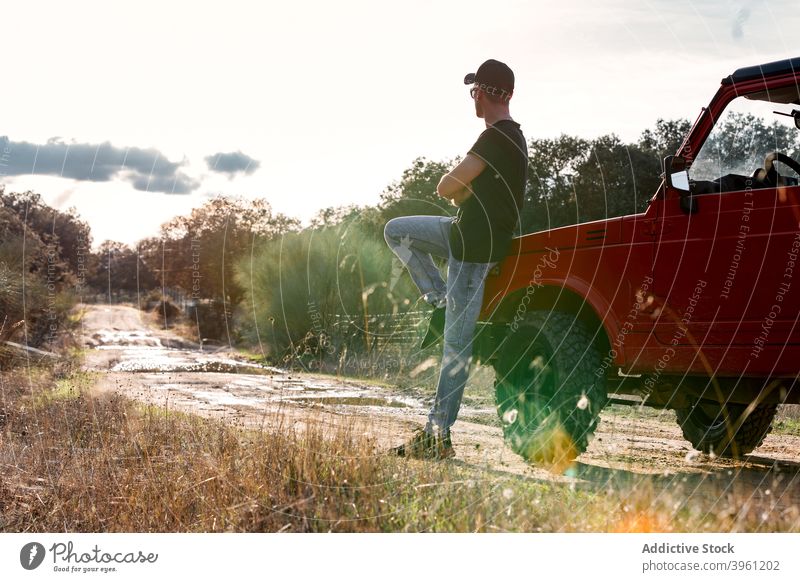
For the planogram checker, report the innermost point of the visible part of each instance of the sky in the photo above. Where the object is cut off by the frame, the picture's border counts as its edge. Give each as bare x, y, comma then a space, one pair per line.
135, 113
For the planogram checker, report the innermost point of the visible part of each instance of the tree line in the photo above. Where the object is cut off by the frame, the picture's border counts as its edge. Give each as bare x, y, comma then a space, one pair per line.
258, 276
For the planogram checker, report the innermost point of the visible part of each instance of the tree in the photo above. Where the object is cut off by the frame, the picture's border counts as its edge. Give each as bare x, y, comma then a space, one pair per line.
415, 192
36, 279
63, 229
550, 196
572, 180
118, 267
739, 143
197, 253
666, 137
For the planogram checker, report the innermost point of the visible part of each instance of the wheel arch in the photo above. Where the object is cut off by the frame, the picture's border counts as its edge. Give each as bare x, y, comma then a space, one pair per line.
552, 297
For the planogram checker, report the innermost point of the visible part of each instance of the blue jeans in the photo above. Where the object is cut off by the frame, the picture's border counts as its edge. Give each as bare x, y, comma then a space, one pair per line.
415, 240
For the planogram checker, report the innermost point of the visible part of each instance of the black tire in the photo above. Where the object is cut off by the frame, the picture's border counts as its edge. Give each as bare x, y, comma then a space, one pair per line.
705, 426
549, 388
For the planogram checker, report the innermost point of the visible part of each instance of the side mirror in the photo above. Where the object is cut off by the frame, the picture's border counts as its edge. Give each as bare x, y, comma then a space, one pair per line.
795, 114
675, 173
676, 176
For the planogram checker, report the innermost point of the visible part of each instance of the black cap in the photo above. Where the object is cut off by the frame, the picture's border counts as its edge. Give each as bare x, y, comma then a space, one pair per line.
493, 77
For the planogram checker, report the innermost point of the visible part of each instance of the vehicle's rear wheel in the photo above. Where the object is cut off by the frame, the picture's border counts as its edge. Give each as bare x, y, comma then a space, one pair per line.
549, 388
706, 426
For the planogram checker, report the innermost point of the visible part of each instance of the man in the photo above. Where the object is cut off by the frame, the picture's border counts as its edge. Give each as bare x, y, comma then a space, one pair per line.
487, 186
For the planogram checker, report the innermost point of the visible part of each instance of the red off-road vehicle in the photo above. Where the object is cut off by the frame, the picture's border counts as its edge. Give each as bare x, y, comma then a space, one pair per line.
692, 305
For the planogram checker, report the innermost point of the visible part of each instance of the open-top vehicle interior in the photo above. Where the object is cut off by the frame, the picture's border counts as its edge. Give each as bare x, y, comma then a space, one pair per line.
755, 145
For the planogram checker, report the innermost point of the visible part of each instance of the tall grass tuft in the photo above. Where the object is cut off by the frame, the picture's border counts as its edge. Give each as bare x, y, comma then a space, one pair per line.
76, 462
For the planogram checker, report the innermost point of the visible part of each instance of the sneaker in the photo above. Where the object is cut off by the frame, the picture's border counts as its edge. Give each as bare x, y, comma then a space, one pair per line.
435, 328
426, 446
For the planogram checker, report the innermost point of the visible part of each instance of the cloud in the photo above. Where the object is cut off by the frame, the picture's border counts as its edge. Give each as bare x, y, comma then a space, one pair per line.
232, 163
741, 18
146, 169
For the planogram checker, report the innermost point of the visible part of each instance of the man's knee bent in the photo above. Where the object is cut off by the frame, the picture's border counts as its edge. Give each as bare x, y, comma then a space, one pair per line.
391, 232
397, 229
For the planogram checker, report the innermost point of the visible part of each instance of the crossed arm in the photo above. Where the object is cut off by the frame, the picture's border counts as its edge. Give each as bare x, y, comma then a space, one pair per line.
456, 184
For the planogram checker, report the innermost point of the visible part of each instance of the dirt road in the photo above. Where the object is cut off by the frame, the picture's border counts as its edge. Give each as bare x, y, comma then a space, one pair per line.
633, 447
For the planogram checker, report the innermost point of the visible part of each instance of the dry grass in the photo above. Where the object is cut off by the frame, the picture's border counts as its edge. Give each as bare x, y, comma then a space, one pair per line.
72, 461
787, 421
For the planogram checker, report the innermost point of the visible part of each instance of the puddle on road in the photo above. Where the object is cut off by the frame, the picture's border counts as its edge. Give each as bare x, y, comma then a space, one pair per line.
142, 351
354, 401
156, 359
224, 398
116, 338
167, 364
220, 389
230, 367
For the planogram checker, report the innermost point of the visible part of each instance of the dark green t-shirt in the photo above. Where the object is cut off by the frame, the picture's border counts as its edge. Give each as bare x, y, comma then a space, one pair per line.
486, 221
